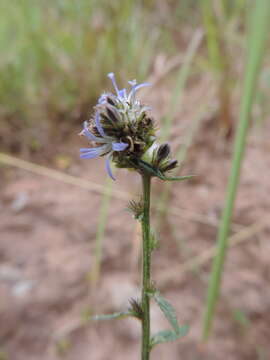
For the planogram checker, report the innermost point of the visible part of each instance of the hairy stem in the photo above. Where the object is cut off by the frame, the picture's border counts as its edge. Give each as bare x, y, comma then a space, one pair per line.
146, 277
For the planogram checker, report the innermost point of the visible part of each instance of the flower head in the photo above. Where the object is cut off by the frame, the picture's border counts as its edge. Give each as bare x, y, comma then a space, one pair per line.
120, 128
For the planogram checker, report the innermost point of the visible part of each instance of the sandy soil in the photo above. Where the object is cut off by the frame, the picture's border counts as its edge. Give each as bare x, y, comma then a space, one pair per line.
47, 245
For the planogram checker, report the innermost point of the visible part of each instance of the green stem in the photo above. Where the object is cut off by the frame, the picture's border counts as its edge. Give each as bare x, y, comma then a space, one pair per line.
257, 40
146, 267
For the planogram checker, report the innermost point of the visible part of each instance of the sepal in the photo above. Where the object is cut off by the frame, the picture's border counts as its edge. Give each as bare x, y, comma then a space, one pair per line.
176, 178
152, 171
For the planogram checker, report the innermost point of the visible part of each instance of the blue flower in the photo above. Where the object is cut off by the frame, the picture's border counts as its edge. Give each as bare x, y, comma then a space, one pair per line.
127, 103
108, 145
108, 128
122, 94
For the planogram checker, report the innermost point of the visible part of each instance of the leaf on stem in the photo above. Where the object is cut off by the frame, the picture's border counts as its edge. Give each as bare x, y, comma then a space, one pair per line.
167, 310
116, 315
168, 335
170, 314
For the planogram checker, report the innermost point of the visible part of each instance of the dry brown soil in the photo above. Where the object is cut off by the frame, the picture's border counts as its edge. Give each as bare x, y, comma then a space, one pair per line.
48, 230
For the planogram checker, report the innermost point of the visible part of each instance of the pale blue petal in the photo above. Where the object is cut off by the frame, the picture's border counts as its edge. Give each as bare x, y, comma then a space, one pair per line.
91, 154
88, 134
137, 87
101, 149
88, 156
112, 77
102, 99
134, 89
122, 94
108, 167
98, 125
119, 146
104, 149
84, 150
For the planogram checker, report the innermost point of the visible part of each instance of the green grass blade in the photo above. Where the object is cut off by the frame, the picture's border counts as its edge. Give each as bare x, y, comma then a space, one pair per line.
256, 43
180, 157
212, 35
181, 80
102, 221
175, 103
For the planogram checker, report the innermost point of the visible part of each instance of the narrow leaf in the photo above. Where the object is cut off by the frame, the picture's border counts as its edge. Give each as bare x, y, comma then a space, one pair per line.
168, 335
177, 178
117, 315
167, 310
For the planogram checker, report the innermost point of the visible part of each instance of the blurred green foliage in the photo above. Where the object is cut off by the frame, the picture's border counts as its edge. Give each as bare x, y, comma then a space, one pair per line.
55, 54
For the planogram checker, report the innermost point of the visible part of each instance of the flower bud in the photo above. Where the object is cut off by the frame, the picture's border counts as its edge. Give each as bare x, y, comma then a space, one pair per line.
162, 152
170, 165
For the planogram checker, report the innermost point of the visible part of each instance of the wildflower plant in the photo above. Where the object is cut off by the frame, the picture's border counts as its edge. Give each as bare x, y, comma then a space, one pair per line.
122, 131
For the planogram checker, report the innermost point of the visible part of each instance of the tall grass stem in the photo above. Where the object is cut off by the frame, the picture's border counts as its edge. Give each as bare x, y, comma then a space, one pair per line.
180, 83
259, 29
175, 103
102, 221
180, 157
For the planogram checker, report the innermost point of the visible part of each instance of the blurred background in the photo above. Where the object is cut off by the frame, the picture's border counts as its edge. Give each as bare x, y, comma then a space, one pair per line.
68, 247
